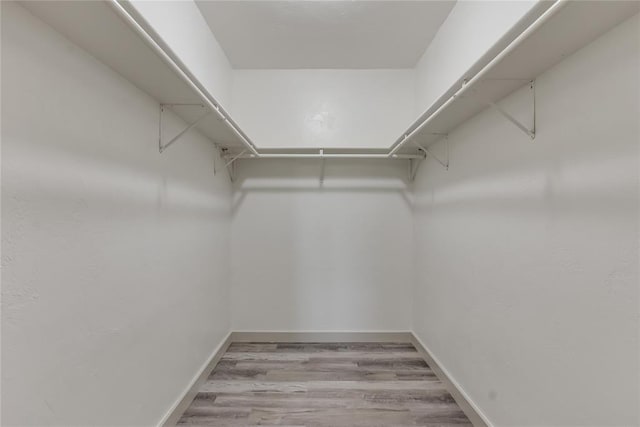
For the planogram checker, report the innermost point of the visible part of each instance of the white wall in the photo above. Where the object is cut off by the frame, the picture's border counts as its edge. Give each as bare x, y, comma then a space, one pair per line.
335, 256
469, 31
527, 252
183, 28
323, 108
114, 257
115, 262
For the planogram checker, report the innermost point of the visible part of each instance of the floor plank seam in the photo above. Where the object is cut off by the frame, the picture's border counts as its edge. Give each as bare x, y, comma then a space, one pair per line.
323, 384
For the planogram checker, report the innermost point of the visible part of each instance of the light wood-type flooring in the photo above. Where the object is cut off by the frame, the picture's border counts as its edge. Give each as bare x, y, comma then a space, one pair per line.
323, 384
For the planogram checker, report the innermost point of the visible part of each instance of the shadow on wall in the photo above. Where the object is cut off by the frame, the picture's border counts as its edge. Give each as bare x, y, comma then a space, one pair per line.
86, 146
335, 175
529, 249
61, 178
330, 255
531, 190
114, 257
502, 170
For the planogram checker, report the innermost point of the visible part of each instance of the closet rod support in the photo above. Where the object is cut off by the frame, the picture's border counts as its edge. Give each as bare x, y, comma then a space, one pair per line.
163, 146
231, 164
234, 158
443, 163
321, 166
531, 132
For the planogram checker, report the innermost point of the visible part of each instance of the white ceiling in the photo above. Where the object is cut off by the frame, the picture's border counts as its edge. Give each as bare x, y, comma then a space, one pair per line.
324, 34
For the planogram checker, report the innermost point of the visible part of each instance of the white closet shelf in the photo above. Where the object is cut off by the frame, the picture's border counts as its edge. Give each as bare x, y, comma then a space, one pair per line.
100, 28
561, 29
319, 152
550, 32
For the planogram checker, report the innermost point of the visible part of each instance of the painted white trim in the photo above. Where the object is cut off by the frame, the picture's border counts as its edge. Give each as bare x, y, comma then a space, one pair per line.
322, 336
468, 406
186, 397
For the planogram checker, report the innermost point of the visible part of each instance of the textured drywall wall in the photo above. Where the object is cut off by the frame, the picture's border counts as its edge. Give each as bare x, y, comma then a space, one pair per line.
321, 256
527, 251
324, 108
114, 257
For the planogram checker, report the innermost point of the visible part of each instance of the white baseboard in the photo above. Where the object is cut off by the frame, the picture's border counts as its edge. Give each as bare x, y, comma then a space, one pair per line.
468, 406
321, 336
182, 403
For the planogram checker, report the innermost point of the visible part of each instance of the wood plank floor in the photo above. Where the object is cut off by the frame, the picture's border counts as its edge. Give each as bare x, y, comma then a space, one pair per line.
323, 384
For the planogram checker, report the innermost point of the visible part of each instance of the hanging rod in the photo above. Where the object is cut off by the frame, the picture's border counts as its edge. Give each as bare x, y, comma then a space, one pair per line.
551, 11
174, 64
329, 156
179, 68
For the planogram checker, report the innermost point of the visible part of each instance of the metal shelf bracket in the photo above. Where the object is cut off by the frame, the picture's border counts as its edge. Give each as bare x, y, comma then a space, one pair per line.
321, 166
529, 131
164, 145
425, 150
230, 164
